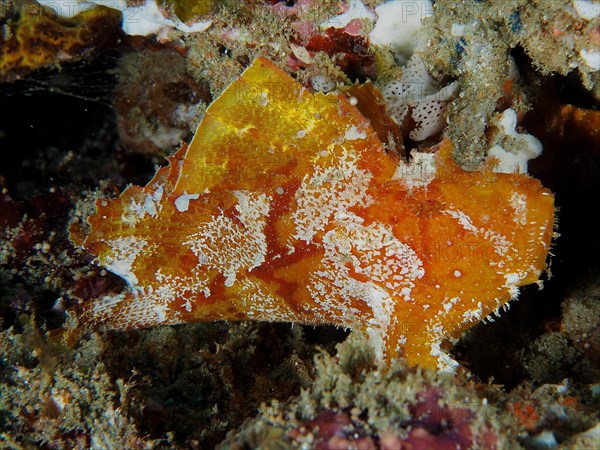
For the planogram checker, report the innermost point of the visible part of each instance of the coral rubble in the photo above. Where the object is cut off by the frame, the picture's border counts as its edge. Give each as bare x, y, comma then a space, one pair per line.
352, 405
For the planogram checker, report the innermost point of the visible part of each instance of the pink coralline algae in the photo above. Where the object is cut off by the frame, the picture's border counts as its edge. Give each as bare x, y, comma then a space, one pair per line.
332, 430
431, 424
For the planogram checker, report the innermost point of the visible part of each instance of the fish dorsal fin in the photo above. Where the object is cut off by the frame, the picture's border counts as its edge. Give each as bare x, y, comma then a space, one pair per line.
263, 129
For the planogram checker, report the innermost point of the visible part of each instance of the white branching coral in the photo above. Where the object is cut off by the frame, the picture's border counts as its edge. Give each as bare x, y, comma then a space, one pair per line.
512, 150
418, 92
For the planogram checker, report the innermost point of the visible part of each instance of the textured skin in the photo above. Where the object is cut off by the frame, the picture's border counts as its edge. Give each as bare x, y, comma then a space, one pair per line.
295, 212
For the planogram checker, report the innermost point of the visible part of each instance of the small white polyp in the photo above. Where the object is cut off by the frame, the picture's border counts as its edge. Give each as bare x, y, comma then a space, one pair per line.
530, 147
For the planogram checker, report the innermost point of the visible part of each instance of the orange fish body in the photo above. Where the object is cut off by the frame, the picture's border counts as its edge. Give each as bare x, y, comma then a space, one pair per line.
286, 207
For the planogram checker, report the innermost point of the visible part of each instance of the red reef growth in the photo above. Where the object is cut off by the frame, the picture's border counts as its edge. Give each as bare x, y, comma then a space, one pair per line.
350, 52
334, 431
443, 427
432, 424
